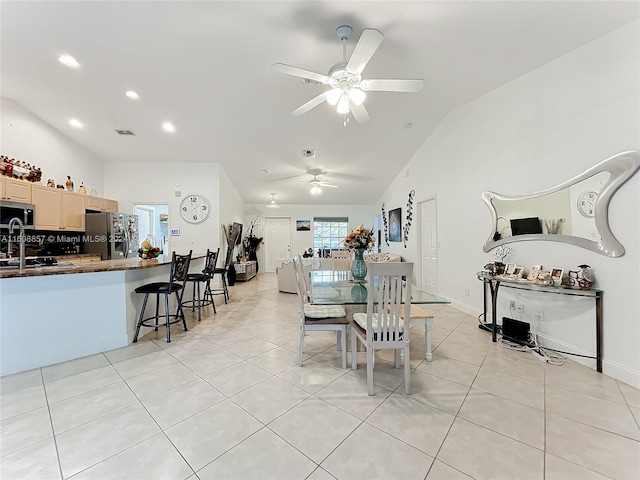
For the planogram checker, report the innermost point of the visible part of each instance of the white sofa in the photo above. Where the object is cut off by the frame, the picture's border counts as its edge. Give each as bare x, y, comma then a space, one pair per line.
287, 280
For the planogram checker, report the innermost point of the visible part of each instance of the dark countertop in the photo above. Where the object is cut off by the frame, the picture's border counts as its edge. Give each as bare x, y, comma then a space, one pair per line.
104, 266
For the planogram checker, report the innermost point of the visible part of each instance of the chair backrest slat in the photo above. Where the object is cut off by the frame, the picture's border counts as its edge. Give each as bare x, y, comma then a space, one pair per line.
210, 262
179, 267
301, 288
393, 297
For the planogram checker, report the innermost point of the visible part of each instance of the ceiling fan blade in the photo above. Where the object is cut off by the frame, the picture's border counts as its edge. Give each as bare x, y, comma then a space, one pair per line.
314, 102
392, 85
299, 72
369, 42
325, 184
359, 112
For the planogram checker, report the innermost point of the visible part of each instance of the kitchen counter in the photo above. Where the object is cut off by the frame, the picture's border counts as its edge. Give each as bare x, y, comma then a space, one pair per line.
54, 314
92, 267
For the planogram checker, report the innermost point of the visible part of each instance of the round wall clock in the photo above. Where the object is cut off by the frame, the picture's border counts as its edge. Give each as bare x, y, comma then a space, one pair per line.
195, 208
587, 203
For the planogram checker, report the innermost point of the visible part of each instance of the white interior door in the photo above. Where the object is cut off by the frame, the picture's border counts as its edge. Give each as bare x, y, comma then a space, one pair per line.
145, 221
428, 246
277, 240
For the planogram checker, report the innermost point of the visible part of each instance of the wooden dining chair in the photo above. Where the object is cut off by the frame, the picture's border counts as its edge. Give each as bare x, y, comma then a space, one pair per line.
383, 326
319, 317
341, 260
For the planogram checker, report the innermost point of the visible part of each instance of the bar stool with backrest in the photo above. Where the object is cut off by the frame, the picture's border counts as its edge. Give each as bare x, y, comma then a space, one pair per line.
177, 278
199, 278
224, 290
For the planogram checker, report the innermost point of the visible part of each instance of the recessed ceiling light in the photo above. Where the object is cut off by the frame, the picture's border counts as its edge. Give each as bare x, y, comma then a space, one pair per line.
168, 127
69, 61
265, 170
132, 95
75, 123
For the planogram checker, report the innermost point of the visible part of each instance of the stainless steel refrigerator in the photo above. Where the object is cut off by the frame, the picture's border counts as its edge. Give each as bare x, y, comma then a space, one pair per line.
111, 235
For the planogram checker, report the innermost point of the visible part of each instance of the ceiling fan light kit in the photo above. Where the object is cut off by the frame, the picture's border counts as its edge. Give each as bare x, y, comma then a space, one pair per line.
348, 87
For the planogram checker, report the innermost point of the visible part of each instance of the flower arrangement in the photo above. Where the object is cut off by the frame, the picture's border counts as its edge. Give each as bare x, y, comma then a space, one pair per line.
359, 239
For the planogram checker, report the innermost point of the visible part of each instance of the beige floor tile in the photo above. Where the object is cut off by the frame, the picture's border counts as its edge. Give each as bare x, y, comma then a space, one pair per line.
161, 380
236, 378
184, 350
359, 457
320, 474
212, 361
25, 430
312, 376
442, 471
182, 402
141, 347
450, 369
73, 367
463, 450
96, 441
312, 345
250, 348
80, 383
636, 414
413, 422
276, 360
229, 337
205, 436
269, 399
329, 424
145, 362
578, 378
384, 373
517, 421
558, 469
462, 353
22, 401
263, 452
20, 381
603, 452
437, 392
512, 388
349, 393
610, 416
38, 461
154, 458
517, 364
81, 409
630, 394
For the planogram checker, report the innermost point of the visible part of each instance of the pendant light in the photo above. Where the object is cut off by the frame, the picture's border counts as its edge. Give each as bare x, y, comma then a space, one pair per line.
272, 203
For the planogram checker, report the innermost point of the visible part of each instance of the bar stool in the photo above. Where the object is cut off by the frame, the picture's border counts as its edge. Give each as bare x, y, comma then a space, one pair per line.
224, 290
177, 278
204, 277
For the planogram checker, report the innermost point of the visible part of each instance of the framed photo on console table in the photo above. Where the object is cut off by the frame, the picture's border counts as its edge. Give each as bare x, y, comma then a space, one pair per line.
533, 273
556, 276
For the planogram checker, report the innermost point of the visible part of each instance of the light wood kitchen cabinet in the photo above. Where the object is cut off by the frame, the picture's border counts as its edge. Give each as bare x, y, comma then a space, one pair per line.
57, 209
14, 189
101, 204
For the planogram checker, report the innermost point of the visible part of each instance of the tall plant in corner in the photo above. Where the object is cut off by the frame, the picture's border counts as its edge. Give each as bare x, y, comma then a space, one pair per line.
251, 242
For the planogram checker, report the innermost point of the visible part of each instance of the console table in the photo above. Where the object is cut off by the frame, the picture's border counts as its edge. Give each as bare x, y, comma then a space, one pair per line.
245, 270
492, 284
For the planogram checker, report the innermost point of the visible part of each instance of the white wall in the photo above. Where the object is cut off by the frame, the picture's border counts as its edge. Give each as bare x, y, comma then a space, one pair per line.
528, 135
123, 183
27, 138
231, 210
357, 214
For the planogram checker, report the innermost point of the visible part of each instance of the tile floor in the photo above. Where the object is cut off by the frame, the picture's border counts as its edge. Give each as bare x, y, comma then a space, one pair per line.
227, 400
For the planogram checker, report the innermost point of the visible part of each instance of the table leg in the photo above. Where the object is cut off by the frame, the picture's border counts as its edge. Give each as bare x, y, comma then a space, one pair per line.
427, 338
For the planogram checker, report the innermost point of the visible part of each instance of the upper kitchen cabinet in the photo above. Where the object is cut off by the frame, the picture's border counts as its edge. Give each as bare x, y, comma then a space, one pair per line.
14, 189
101, 204
57, 209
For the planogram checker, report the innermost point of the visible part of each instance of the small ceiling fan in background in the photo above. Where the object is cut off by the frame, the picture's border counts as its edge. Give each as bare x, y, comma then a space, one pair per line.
347, 85
317, 184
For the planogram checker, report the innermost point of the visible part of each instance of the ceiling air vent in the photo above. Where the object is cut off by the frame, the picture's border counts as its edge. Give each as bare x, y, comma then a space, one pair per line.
308, 154
124, 132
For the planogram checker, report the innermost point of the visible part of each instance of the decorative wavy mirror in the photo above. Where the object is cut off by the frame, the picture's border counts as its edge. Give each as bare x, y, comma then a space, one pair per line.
574, 212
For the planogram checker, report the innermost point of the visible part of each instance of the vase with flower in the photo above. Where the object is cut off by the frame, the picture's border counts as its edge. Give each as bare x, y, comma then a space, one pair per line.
359, 241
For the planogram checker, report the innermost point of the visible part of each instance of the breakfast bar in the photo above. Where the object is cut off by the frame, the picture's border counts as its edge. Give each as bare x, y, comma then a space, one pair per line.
54, 314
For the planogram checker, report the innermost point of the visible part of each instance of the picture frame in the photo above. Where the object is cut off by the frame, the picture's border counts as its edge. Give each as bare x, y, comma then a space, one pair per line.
556, 276
509, 269
533, 272
518, 271
395, 225
303, 225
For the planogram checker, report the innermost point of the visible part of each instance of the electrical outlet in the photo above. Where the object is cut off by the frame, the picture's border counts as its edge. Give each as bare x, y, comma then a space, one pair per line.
520, 308
512, 305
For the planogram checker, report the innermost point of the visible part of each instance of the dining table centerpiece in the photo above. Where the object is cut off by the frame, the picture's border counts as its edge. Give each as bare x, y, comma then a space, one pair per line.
359, 241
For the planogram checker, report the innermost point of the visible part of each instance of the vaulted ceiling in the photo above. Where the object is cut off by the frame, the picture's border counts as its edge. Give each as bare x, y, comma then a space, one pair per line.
206, 67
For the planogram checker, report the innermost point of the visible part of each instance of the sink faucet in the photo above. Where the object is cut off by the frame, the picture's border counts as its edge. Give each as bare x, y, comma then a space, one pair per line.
12, 224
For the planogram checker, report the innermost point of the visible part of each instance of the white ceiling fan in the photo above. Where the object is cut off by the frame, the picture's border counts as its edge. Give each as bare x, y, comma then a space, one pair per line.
316, 184
347, 85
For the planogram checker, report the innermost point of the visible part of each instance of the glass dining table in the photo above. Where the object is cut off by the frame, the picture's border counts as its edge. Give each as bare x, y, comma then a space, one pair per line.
330, 287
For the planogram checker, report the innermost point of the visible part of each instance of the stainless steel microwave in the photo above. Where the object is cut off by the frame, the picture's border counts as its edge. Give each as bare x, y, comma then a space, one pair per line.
24, 211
